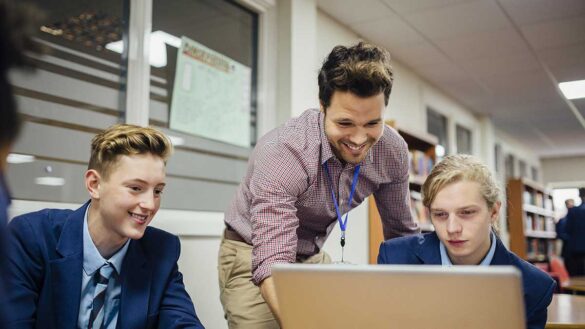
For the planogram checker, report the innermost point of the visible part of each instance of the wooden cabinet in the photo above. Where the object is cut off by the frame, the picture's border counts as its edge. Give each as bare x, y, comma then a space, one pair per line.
530, 220
422, 157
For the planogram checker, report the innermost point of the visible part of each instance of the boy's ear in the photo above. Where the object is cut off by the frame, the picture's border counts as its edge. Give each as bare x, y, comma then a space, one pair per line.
92, 183
495, 211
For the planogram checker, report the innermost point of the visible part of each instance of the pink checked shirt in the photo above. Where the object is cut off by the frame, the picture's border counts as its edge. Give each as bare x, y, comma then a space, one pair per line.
283, 206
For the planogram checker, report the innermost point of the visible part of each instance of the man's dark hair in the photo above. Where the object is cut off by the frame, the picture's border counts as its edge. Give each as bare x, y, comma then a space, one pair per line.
363, 70
16, 28
582, 192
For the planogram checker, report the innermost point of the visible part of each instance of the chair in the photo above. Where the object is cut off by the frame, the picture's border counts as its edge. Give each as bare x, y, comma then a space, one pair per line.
557, 268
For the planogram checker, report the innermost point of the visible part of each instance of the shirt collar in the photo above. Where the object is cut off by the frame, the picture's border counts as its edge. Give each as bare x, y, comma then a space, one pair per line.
327, 152
92, 259
445, 261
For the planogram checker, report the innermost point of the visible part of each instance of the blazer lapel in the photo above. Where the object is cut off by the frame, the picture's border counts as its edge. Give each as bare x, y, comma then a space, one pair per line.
428, 249
136, 277
66, 271
501, 255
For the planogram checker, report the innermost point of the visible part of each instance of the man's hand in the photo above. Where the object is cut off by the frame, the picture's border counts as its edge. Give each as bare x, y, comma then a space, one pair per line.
269, 294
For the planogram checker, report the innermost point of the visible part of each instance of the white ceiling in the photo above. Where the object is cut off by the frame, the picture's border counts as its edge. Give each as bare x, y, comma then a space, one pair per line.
502, 58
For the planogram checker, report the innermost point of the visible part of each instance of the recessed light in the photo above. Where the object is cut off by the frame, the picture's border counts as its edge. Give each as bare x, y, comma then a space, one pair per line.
17, 158
573, 89
50, 181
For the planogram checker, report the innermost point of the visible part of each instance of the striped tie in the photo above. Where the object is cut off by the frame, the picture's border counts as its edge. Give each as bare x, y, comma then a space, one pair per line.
96, 318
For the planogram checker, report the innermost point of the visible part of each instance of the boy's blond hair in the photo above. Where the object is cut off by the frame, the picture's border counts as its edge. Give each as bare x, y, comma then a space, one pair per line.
461, 167
126, 139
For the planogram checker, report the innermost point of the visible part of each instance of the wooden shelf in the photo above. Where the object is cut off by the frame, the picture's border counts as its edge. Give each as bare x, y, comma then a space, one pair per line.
531, 226
420, 146
538, 210
540, 234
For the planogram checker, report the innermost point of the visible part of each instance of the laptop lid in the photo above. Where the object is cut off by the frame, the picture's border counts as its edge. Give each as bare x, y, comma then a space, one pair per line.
399, 296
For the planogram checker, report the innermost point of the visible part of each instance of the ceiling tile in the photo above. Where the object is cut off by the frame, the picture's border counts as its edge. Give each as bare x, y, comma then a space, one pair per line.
566, 63
390, 33
419, 54
525, 12
409, 6
459, 19
484, 44
350, 12
508, 65
555, 33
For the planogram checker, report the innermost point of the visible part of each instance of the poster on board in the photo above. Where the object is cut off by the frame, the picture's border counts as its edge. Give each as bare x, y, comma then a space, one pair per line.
211, 95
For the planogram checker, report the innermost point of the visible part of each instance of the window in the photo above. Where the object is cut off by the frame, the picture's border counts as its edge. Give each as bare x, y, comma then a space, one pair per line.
463, 140
523, 169
509, 166
437, 125
498, 157
534, 173
76, 91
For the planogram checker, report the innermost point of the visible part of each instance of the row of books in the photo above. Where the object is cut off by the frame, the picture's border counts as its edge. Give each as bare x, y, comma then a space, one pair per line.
420, 163
538, 223
537, 199
538, 249
420, 213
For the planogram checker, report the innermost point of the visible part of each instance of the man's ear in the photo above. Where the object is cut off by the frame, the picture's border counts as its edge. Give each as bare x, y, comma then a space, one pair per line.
321, 107
92, 183
495, 211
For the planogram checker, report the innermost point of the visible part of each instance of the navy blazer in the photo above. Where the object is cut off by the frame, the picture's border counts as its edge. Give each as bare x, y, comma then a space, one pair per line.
575, 229
46, 260
424, 249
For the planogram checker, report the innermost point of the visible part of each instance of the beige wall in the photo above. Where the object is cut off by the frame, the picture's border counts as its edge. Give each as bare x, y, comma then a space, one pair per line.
564, 172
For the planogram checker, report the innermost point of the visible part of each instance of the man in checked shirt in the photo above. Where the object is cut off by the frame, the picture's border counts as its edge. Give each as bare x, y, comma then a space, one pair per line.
284, 209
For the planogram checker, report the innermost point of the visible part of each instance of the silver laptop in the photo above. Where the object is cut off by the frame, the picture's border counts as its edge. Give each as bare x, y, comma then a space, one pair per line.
399, 296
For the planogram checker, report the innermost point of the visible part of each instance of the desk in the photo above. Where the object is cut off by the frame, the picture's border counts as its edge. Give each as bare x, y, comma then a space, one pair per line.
566, 311
574, 284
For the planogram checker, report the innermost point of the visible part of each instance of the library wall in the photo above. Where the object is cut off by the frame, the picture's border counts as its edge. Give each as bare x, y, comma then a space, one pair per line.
564, 171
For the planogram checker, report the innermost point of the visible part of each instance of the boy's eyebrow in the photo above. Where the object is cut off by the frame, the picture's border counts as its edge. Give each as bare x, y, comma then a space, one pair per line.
142, 181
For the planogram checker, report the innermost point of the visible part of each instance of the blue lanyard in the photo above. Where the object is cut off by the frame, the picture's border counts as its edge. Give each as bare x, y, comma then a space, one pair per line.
342, 222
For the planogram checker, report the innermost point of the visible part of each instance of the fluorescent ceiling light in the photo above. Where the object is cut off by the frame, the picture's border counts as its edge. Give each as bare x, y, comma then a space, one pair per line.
176, 140
158, 51
50, 181
573, 89
17, 158
440, 150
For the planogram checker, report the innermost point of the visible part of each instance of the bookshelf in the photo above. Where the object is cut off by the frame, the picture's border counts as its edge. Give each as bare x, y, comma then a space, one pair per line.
421, 150
530, 220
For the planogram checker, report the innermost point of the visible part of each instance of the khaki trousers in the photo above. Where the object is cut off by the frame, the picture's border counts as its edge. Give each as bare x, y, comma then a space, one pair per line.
243, 304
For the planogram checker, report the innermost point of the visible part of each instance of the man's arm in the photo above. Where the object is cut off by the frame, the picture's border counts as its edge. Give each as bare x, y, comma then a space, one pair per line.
176, 308
269, 294
277, 181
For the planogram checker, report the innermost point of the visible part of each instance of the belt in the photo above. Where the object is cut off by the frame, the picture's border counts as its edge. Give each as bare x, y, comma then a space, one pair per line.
230, 234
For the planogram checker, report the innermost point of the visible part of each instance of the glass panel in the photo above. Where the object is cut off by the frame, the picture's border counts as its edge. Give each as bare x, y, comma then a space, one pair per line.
76, 91
463, 140
498, 157
210, 112
523, 169
437, 125
509, 166
215, 94
534, 174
